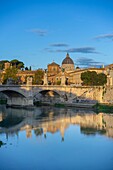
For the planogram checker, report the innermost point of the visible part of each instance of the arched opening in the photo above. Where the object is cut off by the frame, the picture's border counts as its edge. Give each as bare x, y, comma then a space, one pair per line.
14, 98
11, 93
49, 93
47, 97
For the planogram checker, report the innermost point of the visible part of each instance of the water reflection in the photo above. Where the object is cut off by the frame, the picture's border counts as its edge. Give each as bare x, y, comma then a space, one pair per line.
49, 119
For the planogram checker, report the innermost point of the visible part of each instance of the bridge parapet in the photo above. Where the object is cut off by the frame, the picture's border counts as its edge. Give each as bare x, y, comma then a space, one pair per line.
27, 92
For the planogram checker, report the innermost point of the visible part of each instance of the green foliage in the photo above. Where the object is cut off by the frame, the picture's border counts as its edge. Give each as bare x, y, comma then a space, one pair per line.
103, 108
10, 73
38, 131
2, 64
26, 79
58, 82
1, 75
3, 101
102, 79
91, 78
18, 64
59, 105
38, 78
1, 143
26, 68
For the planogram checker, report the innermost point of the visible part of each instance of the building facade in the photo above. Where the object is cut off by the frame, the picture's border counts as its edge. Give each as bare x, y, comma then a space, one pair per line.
56, 73
72, 75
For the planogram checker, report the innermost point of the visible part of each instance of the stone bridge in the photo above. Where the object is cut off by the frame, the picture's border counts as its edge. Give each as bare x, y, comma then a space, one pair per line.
25, 95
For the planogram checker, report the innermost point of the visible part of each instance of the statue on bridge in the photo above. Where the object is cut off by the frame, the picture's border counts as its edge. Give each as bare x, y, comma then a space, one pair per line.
29, 80
45, 78
63, 79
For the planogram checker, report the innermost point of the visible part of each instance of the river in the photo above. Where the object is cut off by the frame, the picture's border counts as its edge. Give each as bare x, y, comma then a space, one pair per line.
51, 138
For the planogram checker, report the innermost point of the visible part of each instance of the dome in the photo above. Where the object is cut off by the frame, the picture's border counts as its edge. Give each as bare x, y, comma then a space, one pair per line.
67, 60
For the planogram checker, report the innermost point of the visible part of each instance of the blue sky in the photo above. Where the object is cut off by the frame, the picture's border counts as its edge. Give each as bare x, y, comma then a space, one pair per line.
39, 32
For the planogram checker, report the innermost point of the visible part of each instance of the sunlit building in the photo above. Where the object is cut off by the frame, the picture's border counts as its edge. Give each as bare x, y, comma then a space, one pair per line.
67, 69
68, 64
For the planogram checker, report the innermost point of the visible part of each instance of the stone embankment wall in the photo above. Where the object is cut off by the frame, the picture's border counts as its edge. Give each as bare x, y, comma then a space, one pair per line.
107, 94
102, 94
87, 93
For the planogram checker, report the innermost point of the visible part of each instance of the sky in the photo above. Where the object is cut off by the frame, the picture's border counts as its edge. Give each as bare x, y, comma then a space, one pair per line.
39, 32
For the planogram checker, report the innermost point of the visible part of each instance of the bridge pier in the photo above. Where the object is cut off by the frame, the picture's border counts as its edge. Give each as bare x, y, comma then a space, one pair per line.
20, 102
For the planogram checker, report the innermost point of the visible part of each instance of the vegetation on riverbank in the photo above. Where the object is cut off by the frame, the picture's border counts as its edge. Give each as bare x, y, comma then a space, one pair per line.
107, 108
3, 101
59, 105
1, 143
76, 105
38, 103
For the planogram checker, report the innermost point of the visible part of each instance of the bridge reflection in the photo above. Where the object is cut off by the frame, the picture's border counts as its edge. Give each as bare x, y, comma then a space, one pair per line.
43, 120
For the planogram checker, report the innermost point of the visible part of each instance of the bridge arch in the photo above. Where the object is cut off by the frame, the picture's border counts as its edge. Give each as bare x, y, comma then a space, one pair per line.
49, 92
47, 96
17, 97
12, 93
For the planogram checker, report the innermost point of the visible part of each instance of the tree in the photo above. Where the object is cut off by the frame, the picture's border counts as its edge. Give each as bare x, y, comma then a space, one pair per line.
18, 64
2, 62
91, 78
10, 73
26, 68
102, 79
38, 78
58, 82
88, 77
1, 77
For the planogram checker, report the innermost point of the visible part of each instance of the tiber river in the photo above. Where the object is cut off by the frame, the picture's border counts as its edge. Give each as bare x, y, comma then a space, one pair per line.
49, 138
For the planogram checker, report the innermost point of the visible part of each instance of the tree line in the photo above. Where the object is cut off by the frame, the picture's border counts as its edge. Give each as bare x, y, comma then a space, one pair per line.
12, 75
91, 78
15, 63
12, 72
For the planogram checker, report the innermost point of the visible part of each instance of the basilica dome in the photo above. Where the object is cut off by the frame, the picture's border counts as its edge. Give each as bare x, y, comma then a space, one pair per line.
67, 60
67, 63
